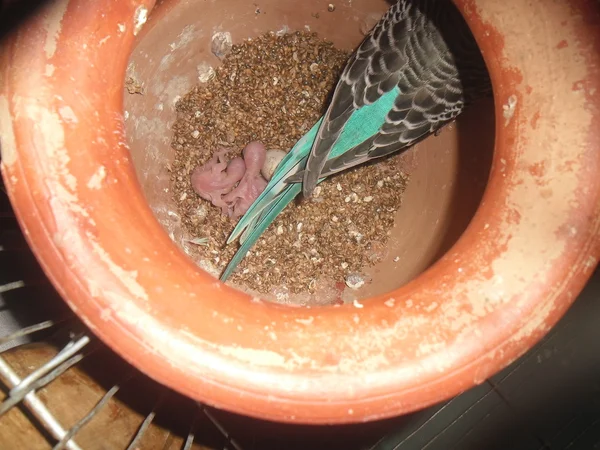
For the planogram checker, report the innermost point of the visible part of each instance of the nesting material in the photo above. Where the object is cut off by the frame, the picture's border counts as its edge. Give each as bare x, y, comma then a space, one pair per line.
273, 89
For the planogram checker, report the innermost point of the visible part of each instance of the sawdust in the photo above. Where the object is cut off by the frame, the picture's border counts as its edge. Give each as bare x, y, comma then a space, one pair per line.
273, 89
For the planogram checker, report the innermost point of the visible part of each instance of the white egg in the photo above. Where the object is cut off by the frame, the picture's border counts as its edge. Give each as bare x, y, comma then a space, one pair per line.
272, 160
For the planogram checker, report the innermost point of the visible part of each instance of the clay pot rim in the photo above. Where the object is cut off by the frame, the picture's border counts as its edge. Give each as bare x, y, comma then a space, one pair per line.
265, 360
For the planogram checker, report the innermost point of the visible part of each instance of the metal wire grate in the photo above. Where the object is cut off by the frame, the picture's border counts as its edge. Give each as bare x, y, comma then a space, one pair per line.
77, 348
76, 345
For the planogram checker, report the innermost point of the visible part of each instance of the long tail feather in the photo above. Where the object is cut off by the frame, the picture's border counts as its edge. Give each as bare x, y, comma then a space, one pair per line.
291, 163
284, 199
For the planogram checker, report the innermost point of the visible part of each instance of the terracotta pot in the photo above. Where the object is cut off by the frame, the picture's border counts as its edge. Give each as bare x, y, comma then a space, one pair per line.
517, 267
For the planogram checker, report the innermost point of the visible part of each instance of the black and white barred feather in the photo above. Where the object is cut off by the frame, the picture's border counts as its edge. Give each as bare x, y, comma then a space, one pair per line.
425, 48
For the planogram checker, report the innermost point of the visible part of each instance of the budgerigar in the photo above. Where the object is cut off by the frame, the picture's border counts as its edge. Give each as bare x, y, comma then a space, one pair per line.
413, 73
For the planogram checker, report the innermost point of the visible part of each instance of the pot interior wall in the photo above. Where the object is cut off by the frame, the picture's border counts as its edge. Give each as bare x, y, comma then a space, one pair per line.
448, 173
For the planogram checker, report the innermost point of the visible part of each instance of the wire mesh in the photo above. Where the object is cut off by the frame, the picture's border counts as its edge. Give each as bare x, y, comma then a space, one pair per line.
78, 343
23, 391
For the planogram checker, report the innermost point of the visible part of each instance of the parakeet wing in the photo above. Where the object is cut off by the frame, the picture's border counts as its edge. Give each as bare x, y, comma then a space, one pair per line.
405, 50
371, 71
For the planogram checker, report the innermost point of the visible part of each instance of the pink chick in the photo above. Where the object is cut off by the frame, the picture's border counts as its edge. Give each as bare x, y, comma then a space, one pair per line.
216, 178
252, 183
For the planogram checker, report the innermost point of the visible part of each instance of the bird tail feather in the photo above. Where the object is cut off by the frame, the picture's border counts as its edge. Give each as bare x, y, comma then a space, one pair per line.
258, 225
293, 162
